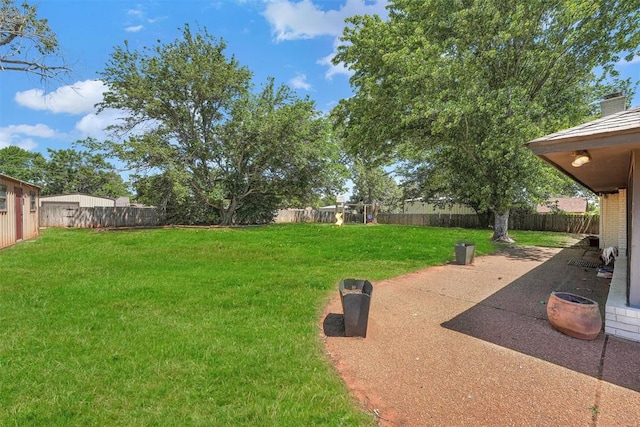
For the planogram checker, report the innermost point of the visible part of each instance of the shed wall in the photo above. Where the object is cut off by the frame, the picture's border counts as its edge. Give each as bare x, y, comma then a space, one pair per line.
8, 217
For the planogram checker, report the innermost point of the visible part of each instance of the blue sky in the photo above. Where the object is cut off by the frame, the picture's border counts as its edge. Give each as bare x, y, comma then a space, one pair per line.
290, 40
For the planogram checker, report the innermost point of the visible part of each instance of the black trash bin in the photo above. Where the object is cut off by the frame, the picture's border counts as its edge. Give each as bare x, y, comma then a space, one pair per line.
355, 295
465, 252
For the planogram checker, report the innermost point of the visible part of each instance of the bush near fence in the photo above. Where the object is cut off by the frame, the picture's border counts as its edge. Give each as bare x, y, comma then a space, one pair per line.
579, 224
100, 217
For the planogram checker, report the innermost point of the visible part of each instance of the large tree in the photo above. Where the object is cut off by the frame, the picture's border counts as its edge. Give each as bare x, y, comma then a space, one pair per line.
468, 82
27, 43
22, 164
374, 185
192, 116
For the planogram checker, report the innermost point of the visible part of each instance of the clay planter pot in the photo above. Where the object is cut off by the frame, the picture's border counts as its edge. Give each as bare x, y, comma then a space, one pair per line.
576, 316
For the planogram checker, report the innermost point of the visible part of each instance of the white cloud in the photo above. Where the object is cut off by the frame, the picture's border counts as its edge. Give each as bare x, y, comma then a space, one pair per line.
303, 20
300, 82
291, 20
94, 125
333, 69
22, 135
78, 98
135, 12
134, 29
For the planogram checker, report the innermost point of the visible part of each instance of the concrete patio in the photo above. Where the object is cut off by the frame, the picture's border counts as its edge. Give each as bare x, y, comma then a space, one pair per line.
470, 345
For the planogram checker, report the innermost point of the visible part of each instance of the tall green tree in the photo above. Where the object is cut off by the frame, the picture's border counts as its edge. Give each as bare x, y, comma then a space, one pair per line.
27, 43
468, 82
373, 185
193, 117
22, 164
72, 171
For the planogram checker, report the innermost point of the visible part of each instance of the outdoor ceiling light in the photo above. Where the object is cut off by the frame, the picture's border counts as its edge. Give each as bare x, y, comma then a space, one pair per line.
580, 158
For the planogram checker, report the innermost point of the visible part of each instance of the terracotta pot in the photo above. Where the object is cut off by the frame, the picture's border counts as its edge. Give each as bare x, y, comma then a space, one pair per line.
574, 315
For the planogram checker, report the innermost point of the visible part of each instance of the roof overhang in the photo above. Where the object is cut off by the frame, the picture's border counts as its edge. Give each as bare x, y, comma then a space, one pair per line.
20, 181
609, 141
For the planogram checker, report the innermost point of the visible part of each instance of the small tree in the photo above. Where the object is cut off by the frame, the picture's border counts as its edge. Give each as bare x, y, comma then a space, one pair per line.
27, 43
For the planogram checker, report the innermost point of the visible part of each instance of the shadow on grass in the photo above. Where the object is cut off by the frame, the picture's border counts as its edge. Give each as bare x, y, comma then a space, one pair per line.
515, 317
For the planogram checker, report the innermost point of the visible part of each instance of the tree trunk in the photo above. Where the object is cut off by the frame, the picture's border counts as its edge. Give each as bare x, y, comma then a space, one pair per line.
486, 218
227, 214
501, 228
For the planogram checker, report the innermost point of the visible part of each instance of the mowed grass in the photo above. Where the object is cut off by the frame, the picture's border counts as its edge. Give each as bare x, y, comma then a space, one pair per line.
190, 326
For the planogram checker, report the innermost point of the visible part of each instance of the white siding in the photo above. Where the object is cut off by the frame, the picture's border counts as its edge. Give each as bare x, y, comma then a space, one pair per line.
83, 200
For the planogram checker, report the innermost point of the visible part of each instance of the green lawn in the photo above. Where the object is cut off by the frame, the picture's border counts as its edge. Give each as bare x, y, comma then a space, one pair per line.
191, 326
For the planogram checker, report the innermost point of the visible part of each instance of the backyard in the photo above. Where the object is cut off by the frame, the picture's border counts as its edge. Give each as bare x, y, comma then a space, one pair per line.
212, 326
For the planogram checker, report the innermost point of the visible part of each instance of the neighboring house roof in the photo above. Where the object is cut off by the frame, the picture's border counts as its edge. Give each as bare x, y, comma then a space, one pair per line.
575, 205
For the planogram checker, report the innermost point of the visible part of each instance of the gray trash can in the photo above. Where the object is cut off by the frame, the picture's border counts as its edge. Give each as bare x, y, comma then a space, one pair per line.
465, 252
355, 296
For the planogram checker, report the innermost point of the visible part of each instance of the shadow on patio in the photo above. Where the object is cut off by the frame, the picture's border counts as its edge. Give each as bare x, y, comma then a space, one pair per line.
515, 318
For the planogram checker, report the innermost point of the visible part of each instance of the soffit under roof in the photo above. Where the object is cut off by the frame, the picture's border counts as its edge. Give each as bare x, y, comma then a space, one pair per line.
610, 142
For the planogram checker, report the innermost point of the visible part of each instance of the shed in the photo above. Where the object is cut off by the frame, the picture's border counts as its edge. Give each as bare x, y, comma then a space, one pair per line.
18, 210
76, 200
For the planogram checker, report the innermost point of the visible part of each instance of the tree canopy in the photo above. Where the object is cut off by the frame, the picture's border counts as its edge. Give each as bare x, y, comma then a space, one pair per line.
460, 86
71, 171
27, 43
65, 171
374, 185
194, 120
22, 164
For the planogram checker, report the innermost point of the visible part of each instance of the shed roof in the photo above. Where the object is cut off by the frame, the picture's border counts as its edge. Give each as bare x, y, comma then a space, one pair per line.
77, 194
19, 180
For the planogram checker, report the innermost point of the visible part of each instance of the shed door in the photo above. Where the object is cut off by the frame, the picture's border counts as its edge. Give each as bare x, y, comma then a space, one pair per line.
19, 218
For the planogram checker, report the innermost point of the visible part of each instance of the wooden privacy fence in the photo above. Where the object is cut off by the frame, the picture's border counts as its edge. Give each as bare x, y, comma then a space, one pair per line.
97, 217
579, 224
303, 215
